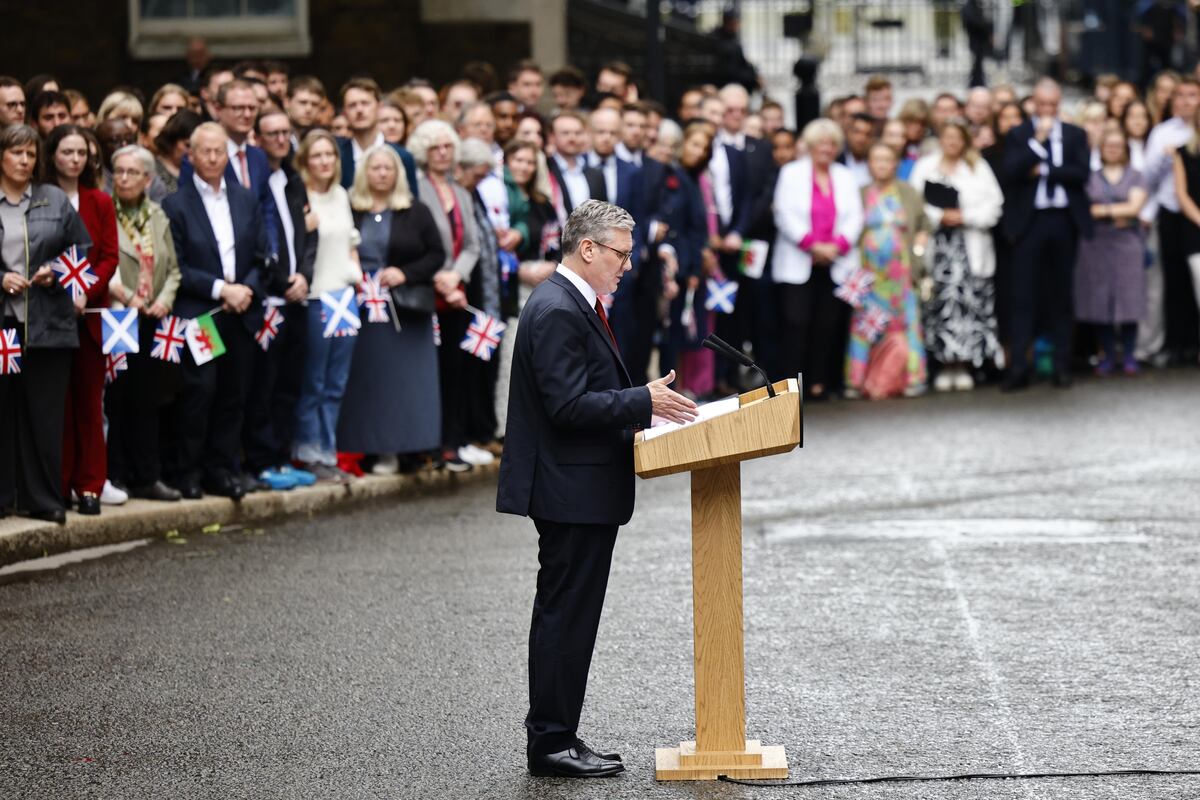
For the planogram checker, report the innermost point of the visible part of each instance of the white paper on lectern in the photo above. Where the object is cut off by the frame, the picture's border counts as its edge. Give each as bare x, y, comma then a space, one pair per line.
703, 412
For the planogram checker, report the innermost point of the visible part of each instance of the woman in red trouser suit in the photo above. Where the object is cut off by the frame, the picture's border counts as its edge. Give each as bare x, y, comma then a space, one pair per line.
68, 164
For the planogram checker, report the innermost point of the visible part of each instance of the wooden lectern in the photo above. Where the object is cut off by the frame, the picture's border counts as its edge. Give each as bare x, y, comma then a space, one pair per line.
712, 450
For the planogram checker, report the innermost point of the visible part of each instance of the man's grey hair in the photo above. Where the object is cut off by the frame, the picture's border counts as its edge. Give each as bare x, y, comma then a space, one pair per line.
145, 157
595, 220
473, 152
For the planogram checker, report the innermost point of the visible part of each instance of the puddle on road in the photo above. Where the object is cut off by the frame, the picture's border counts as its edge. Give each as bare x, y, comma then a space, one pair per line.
34, 565
1011, 529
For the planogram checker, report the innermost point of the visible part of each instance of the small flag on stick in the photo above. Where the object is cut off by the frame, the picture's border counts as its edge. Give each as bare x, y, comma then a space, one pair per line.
118, 328
203, 339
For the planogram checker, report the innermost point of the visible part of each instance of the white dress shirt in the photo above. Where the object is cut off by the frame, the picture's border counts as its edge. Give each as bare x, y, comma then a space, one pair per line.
216, 206
737, 140
1159, 171
625, 154
859, 169
585, 289
277, 182
722, 182
574, 182
358, 152
1043, 200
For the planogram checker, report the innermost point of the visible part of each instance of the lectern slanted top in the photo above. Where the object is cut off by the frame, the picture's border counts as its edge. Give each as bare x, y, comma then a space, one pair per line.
712, 450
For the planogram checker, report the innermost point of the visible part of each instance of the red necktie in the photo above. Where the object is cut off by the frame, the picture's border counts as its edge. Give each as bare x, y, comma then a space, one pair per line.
604, 319
245, 169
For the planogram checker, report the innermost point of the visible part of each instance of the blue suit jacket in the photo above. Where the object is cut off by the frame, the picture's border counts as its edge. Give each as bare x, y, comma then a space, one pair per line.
199, 258
346, 151
568, 448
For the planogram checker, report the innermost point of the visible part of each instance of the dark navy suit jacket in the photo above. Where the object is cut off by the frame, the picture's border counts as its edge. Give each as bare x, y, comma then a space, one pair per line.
346, 151
1020, 184
572, 410
199, 258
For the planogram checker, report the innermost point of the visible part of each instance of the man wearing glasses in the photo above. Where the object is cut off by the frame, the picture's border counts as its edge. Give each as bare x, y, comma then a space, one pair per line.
12, 102
568, 464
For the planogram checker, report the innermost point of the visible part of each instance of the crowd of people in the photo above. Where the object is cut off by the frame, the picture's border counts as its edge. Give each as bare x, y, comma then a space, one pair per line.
360, 258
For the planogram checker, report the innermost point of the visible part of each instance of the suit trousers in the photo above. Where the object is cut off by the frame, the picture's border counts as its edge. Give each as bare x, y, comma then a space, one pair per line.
274, 390
1179, 299
814, 330
453, 368
31, 422
134, 403
211, 406
1041, 275
84, 458
572, 578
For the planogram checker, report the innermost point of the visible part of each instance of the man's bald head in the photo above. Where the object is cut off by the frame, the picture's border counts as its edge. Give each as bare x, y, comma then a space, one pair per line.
605, 125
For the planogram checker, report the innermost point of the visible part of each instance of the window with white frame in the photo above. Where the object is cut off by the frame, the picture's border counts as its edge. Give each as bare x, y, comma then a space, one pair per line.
233, 28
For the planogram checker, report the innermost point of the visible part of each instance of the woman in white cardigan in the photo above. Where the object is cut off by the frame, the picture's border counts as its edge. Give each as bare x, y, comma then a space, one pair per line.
960, 315
818, 216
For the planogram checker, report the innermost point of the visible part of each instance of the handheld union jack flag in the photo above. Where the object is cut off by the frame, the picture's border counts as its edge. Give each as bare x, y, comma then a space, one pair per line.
371, 296
10, 352
169, 340
722, 295
483, 336
114, 365
871, 322
854, 289
74, 271
272, 320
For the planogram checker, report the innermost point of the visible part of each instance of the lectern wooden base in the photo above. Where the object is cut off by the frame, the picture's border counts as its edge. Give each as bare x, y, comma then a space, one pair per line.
683, 763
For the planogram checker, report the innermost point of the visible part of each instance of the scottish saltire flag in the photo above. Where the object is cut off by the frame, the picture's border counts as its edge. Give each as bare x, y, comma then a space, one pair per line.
10, 352
722, 295
339, 313
870, 322
272, 321
437, 332
203, 340
483, 336
753, 258
119, 330
371, 297
114, 365
854, 289
74, 272
169, 340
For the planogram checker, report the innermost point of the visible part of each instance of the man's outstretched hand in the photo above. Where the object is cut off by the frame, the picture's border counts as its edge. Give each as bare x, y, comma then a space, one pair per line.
668, 404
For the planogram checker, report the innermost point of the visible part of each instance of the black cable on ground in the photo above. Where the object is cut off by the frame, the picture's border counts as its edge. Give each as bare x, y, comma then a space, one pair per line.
974, 776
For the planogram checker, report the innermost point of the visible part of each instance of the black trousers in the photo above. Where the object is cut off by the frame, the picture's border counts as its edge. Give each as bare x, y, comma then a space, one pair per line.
572, 579
211, 406
270, 423
32, 406
814, 328
452, 373
1041, 274
1179, 299
133, 404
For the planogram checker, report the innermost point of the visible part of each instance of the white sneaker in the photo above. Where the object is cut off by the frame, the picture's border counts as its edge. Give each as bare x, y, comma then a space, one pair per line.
112, 496
944, 381
475, 455
963, 382
386, 465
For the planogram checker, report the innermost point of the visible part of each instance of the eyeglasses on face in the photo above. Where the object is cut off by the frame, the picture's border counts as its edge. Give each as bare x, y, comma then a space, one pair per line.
624, 256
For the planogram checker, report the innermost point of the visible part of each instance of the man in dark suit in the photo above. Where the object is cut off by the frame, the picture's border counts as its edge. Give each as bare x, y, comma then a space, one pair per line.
572, 181
360, 104
568, 464
221, 243
1046, 210
271, 403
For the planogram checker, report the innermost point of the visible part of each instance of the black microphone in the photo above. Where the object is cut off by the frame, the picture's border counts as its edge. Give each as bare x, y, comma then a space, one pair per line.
719, 345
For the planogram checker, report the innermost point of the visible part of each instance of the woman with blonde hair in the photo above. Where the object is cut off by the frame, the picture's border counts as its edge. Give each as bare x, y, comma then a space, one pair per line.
392, 405
963, 202
168, 100
121, 105
327, 359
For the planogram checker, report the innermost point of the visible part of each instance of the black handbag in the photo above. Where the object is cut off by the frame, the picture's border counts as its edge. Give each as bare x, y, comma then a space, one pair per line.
418, 299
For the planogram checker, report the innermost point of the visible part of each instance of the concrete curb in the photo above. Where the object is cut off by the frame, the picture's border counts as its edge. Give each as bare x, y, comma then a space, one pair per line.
22, 539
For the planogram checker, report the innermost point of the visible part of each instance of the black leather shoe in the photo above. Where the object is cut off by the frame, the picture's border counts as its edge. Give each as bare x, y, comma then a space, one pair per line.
573, 763
89, 504
252, 484
189, 489
1062, 380
1014, 383
56, 515
226, 486
157, 491
582, 747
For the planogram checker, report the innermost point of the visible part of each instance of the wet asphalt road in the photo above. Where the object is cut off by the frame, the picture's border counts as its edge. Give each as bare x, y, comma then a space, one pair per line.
952, 584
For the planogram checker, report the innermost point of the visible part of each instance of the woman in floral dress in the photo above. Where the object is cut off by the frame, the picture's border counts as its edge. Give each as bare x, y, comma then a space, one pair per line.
882, 291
